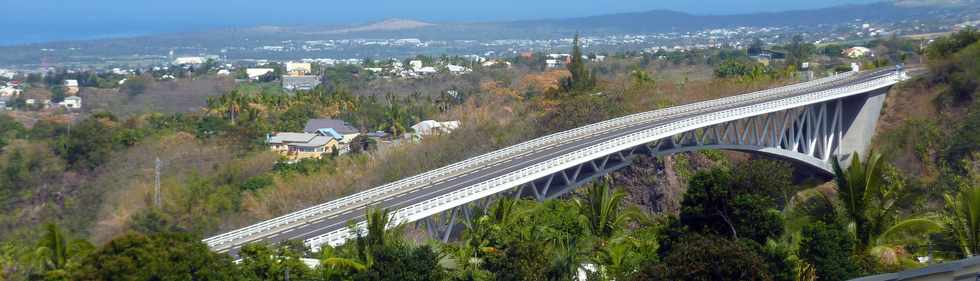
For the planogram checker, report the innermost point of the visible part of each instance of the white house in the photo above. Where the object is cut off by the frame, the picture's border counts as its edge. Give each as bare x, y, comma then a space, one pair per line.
495, 62
72, 102
456, 69
300, 82
415, 64
299, 68
430, 127
427, 70
189, 60
857, 52
71, 86
255, 73
8, 91
551, 63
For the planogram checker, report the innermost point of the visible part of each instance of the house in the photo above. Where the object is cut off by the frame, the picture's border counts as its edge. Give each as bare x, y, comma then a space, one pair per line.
432, 127
427, 70
298, 146
771, 55
856, 52
456, 69
299, 68
300, 82
552, 63
189, 60
72, 102
415, 64
490, 63
9, 91
255, 73
71, 87
329, 127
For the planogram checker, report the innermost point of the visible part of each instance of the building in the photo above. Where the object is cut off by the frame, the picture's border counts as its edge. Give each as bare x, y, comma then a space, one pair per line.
771, 55
856, 52
456, 69
255, 73
300, 82
299, 68
190, 60
966, 270
298, 146
415, 64
427, 70
9, 91
72, 102
432, 127
552, 63
71, 87
328, 127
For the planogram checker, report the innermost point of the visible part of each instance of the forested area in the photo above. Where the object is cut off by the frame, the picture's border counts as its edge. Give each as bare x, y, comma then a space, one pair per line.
77, 200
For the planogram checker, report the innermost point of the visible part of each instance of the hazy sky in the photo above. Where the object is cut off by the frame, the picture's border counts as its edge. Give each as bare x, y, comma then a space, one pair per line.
45, 20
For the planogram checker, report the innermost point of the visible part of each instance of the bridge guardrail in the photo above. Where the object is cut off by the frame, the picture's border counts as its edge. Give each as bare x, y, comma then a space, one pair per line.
439, 204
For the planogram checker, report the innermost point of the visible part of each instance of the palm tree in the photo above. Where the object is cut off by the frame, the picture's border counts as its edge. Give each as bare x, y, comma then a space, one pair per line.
871, 204
333, 267
567, 260
55, 255
962, 219
380, 233
617, 260
52, 249
602, 211
855, 187
394, 120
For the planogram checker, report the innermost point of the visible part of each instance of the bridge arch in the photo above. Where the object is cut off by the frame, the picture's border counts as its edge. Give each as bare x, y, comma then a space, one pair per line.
810, 135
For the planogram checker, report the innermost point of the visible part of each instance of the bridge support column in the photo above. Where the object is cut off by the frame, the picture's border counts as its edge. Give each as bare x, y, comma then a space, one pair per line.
860, 119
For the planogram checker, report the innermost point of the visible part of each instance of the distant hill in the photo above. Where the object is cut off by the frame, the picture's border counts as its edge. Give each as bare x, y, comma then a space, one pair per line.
655, 21
244, 39
667, 21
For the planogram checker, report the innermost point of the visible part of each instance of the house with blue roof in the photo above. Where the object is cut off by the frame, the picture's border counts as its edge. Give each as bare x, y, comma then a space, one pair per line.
338, 129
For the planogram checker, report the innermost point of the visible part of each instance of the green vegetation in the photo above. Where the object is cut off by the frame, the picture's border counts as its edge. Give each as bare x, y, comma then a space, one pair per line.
740, 219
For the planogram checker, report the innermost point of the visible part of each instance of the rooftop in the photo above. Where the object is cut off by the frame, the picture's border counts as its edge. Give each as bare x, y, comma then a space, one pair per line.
291, 137
338, 126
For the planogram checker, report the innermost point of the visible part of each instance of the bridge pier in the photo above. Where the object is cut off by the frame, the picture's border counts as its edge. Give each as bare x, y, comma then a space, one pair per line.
861, 114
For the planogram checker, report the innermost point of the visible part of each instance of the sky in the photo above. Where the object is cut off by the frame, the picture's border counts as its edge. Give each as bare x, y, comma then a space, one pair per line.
27, 21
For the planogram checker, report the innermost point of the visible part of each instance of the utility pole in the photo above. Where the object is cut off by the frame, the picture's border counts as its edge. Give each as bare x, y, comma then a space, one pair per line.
156, 187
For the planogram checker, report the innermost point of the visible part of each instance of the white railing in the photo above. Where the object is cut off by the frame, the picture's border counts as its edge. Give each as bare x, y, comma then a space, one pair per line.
502, 183
407, 184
